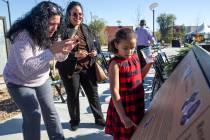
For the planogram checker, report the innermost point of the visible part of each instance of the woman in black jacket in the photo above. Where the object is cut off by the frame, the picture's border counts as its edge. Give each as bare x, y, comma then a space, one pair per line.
79, 68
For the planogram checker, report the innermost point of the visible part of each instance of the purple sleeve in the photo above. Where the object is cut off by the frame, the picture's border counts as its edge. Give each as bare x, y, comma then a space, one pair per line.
28, 61
150, 36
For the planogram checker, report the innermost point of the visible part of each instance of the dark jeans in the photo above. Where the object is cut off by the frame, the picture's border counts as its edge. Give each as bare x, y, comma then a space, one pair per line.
87, 79
30, 100
140, 55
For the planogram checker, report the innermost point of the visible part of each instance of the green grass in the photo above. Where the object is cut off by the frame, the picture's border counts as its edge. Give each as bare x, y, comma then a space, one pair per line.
176, 59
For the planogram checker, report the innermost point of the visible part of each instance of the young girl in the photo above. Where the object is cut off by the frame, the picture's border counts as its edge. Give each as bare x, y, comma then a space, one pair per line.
126, 107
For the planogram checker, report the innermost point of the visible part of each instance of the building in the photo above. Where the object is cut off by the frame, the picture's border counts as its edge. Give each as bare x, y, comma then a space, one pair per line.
188, 29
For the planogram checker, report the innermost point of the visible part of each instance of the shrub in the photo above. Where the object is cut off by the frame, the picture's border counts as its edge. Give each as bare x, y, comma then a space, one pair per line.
176, 59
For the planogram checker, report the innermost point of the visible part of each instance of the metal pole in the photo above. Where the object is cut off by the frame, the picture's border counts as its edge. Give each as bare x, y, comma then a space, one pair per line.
153, 12
10, 24
173, 29
8, 8
152, 7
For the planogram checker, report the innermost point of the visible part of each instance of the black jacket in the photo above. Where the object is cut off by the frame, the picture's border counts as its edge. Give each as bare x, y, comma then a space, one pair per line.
67, 67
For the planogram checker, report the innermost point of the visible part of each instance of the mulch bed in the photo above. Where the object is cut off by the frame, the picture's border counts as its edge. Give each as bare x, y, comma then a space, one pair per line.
8, 108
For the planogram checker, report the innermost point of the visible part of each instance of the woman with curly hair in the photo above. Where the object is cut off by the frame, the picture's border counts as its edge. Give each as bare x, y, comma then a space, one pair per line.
33, 44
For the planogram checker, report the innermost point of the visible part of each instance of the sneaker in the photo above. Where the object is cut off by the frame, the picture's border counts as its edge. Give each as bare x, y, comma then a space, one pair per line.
74, 126
100, 122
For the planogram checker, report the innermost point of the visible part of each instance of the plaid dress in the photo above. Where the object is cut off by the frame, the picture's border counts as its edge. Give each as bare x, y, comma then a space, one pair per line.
132, 96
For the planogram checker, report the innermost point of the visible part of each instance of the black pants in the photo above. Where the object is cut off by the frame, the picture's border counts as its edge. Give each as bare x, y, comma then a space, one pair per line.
87, 79
140, 55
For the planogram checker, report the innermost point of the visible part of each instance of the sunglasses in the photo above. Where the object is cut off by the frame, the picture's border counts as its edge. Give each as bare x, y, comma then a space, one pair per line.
77, 15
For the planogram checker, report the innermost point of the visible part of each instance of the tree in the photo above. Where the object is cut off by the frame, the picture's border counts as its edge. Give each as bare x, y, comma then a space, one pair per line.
119, 22
98, 25
179, 32
158, 36
165, 22
138, 16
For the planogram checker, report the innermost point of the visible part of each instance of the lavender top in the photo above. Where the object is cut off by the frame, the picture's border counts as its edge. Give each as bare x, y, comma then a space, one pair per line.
27, 66
144, 36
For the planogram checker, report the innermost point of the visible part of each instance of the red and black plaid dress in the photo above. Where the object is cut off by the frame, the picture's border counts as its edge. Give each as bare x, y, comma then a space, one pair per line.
132, 96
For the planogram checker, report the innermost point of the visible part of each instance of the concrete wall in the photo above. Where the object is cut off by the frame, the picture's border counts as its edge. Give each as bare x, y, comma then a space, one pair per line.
3, 45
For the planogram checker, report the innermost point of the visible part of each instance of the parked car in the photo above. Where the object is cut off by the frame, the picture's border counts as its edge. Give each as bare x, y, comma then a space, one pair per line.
104, 57
107, 55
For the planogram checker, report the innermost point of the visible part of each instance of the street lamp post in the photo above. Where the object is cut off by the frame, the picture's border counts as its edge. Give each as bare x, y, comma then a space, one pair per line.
8, 8
152, 7
153, 21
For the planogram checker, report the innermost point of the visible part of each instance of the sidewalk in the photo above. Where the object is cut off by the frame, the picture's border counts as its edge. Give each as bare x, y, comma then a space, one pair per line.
2, 83
11, 129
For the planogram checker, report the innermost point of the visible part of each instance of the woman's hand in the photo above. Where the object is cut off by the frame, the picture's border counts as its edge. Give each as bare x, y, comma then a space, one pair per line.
93, 53
68, 46
64, 46
81, 54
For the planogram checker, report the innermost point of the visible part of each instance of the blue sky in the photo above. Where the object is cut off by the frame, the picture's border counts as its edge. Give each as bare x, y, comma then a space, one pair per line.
187, 12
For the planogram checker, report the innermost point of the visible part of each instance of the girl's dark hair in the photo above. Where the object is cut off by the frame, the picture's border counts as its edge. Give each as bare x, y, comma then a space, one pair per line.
122, 34
36, 23
71, 5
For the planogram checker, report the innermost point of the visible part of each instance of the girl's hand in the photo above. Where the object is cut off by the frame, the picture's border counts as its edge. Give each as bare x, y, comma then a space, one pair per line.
93, 53
151, 59
128, 123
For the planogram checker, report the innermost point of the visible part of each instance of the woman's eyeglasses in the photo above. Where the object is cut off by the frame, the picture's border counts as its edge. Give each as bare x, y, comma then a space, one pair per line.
77, 15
